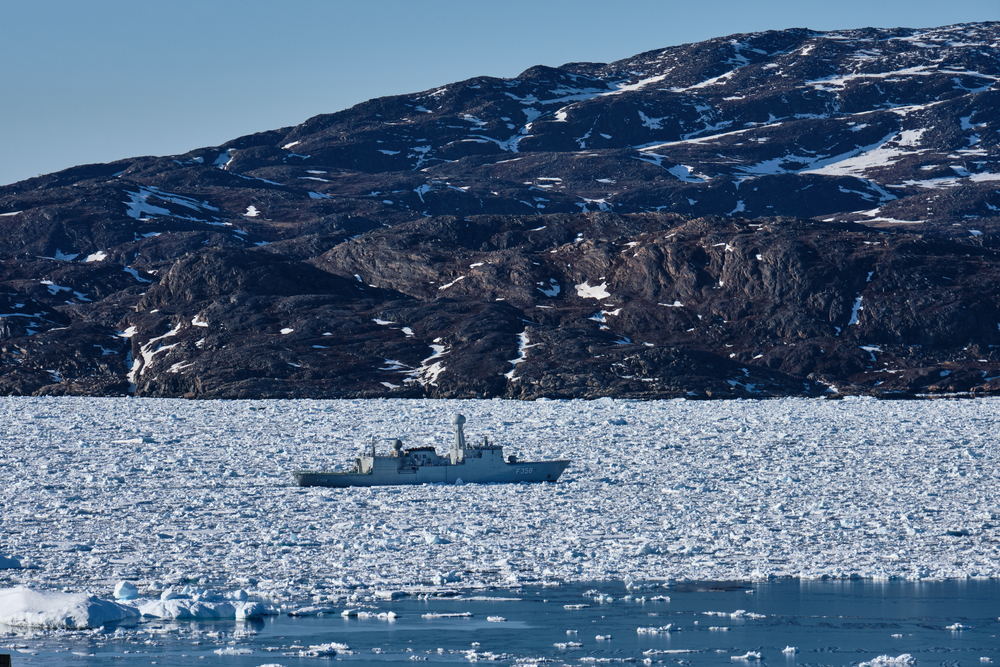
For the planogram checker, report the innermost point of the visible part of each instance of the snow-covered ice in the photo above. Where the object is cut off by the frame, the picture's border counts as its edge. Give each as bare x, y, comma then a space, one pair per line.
126, 590
191, 609
171, 493
883, 660
9, 563
749, 656
22, 606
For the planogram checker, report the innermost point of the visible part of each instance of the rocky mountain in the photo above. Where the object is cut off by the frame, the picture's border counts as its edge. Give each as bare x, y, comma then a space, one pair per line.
766, 214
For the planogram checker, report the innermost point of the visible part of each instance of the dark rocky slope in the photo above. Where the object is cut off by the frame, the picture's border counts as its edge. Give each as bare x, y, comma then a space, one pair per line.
780, 213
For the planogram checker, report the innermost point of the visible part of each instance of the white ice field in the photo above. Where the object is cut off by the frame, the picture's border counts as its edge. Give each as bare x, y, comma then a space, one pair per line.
171, 492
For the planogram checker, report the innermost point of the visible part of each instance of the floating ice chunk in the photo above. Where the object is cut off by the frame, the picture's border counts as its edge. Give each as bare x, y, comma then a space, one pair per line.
463, 614
575, 606
904, 659
790, 650
233, 650
496, 619
957, 626
567, 644
442, 578
26, 607
655, 631
322, 650
190, 609
125, 590
319, 610
749, 656
9, 563
168, 593
389, 595
603, 638
382, 616
431, 538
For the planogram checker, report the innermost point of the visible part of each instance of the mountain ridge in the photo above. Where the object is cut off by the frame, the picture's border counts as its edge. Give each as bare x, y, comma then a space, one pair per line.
778, 213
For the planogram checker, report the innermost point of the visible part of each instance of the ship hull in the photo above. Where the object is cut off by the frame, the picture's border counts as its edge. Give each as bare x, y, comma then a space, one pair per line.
502, 473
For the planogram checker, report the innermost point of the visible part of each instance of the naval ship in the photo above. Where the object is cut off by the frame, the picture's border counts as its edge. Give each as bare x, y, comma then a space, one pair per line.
465, 463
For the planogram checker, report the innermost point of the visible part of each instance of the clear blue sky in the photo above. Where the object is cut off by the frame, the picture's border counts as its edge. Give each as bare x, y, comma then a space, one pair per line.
85, 81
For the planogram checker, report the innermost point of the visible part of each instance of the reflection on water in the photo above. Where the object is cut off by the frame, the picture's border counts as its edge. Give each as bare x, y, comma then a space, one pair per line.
702, 623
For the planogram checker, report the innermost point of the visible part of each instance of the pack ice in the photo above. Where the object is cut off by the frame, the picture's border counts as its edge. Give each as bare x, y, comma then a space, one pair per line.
171, 495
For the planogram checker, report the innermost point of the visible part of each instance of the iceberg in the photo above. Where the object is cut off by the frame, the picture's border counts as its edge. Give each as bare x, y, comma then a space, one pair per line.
31, 608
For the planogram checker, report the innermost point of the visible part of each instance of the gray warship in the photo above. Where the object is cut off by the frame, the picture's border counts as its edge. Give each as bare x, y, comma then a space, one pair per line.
466, 463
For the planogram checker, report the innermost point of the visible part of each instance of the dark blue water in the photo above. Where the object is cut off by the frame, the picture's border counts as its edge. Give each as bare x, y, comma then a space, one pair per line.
829, 622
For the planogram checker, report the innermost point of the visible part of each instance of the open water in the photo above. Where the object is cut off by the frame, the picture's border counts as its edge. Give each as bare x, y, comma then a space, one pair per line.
950, 623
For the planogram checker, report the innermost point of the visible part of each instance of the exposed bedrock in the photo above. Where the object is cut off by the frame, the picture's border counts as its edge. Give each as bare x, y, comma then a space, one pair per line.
767, 214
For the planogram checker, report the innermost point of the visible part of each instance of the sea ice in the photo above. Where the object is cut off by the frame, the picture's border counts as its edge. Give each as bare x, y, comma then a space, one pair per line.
9, 563
125, 590
165, 492
27, 607
748, 656
189, 609
883, 660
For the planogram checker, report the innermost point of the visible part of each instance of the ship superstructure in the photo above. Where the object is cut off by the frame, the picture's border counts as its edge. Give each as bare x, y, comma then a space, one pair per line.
465, 463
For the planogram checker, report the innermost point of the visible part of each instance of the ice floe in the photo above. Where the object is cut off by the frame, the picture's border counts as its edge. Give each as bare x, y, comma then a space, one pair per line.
26, 607
190, 609
125, 590
8, 563
884, 660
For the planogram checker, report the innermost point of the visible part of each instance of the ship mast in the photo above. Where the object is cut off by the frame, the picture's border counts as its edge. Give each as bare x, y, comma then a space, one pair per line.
457, 453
